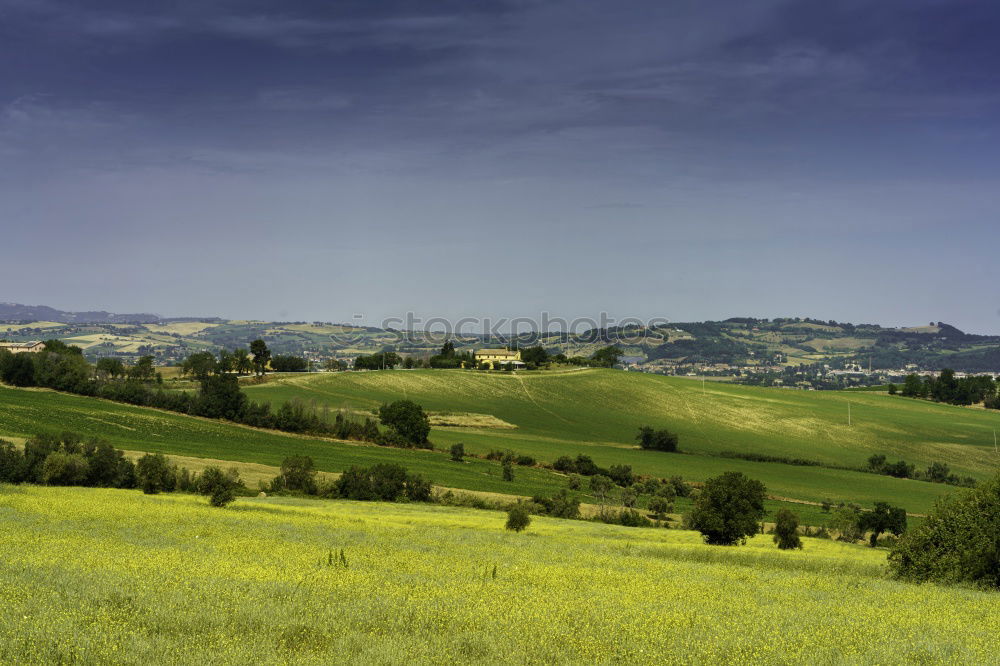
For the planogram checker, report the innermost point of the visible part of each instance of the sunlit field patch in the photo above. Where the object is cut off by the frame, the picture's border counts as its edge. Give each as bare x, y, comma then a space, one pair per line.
116, 576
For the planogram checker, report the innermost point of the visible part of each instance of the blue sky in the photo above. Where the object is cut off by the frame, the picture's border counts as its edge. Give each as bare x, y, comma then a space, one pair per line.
685, 160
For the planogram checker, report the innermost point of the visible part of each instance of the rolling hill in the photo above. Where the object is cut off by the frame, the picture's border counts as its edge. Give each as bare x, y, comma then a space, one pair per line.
597, 412
746, 343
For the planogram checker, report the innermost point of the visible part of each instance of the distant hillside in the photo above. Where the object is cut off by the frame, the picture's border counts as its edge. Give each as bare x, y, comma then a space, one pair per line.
736, 347
31, 313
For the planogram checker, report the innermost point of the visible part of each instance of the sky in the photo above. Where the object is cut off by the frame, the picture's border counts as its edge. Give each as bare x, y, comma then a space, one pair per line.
365, 159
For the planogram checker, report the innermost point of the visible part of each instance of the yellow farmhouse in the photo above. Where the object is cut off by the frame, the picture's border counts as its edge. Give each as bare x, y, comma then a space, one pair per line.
495, 357
18, 347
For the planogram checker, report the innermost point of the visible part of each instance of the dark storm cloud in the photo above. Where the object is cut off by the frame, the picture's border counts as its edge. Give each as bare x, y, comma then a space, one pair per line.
792, 134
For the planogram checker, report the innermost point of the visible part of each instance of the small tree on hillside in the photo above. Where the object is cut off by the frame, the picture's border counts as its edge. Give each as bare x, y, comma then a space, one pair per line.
660, 507
298, 473
18, 369
458, 452
154, 474
786, 533
535, 357
241, 361
600, 486
408, 419
143, 369
219, 486
883, 518
261, 356
845, 521
65, 469
606, 357
110, 366
518, 518
508, 469
729, 509
656, 440
199, 365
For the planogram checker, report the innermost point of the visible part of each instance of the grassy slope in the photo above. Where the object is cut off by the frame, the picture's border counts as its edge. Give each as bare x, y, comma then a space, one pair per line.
119, 577
25, 412
598, 411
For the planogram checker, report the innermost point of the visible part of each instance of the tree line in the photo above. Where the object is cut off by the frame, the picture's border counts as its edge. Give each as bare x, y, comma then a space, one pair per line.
219, 395
70, 460
947, 388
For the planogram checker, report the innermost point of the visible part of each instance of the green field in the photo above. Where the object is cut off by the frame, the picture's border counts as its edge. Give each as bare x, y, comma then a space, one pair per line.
106, 576
598, 411
24, 413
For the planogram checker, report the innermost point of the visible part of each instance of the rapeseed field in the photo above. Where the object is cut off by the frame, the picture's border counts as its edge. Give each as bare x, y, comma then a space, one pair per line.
110, 576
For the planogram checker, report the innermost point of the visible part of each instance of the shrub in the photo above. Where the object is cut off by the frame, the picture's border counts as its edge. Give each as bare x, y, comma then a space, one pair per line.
18, 370
457, 452
560, 505
631, 518
508, 471
186, 481
385, 482
417, 488
622, 475
36, 450
564, 464
289, 364
220, 397
845, 520
524, 461
600, 486
11, 463
660, 507
729, 509
786, 533
65, 469
518, 518
154, 474
297, 473
219, 486
575, 482
959, 542
585, 465
656, 440
109, 468
681, 489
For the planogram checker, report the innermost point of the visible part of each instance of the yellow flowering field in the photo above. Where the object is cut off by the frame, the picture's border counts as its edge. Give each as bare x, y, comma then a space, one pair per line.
111, 576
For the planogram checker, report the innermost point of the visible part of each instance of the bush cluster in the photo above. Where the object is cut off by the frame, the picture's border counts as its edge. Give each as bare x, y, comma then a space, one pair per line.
959, 542
383, 482
66, 460
656, 440
512, 456
935, 473
70, 460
